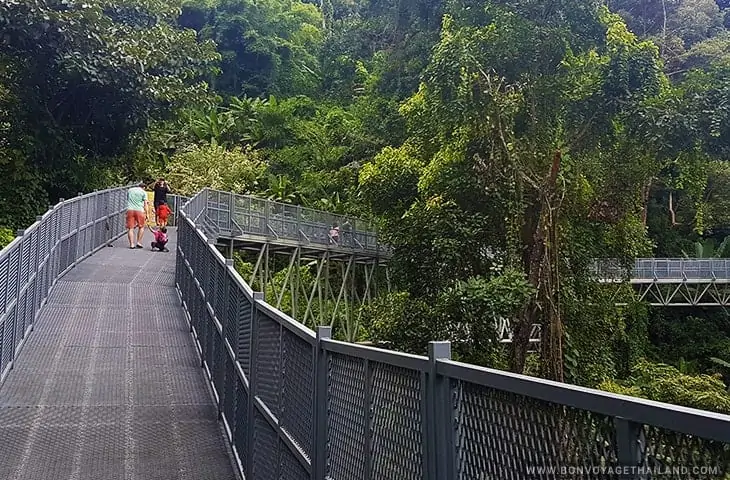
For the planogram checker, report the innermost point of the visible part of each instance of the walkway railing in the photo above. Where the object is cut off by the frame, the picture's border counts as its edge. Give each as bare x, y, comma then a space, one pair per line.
30, 266
298, 405
232, 215
666, 269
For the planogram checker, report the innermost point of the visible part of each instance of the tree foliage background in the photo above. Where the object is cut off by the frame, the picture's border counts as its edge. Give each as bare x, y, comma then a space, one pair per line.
502, 146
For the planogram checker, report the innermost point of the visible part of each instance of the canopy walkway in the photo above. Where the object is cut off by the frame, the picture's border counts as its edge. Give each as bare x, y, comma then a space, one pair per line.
101, 352
673, 282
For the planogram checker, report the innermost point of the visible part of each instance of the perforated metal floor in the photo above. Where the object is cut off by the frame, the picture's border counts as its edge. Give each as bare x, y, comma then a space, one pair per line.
109, 384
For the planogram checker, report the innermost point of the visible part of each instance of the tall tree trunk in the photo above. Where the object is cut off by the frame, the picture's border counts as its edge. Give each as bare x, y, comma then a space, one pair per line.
539, 223
645, 192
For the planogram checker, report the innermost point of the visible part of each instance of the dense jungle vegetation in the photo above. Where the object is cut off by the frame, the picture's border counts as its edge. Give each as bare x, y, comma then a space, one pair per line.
500, 144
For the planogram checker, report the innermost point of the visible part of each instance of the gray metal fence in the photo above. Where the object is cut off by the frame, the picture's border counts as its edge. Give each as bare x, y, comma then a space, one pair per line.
666, 270
231, 215
175, 202
32, 263
298, 405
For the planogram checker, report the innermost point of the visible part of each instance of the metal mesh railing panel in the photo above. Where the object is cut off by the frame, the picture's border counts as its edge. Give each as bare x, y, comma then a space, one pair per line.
243, 426
266, 453
503, 435
21, 313
30, 266
397, 420
4, 282
8, 350
216, 364
228, 391
297, 389
244, 335
680, 456
268, 362
347, 417
291, 469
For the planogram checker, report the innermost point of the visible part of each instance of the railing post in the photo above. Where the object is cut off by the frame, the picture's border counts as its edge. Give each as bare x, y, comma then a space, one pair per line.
438, 426
321, 376
299, 223
267, 213
77, 255
627, 443
252, 384
231, 208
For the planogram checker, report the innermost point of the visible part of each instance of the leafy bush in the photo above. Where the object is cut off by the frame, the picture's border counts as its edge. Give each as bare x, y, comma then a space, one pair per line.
213, 166
664, 383
6, 236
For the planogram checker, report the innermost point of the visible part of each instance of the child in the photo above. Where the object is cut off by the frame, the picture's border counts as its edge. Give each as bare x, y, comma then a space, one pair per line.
160, 239
163, 211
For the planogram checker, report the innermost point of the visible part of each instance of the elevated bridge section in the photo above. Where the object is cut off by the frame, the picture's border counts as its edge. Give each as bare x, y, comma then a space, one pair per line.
102, 379
673, 282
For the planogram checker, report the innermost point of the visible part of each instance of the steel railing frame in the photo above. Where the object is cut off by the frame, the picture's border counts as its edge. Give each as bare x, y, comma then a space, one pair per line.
297, 404
40, 255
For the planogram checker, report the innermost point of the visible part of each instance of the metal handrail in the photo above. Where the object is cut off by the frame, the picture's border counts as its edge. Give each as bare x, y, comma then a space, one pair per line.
289, 396
40, 255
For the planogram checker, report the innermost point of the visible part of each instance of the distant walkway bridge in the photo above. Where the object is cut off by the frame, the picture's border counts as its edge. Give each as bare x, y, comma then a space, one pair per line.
101, 352
673, 282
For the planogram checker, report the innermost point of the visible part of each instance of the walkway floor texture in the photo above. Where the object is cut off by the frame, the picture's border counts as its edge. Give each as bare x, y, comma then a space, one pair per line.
109, 384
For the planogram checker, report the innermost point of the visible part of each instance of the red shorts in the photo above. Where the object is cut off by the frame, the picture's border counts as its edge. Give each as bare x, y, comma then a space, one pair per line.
135, 218
162, 213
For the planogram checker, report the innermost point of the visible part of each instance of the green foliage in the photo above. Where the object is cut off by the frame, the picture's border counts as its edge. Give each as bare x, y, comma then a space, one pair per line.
440, 118
267, 47
6, 236
401, 322
694, 336
390, 182
78, 80
664, 383
214, 166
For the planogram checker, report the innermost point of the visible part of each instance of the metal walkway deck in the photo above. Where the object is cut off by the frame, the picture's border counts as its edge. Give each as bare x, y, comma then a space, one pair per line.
109, 385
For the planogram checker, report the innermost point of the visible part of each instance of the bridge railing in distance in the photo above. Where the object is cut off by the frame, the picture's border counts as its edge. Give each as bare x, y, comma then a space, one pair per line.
299, 405
41, 254
666, 269
175, 202
230, 214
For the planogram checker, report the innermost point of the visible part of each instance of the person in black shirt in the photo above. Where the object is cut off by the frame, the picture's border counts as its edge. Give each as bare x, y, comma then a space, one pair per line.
161, 190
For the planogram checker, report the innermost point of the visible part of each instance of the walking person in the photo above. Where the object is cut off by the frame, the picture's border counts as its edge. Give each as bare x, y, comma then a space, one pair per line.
136, 205
161, 190
159, 202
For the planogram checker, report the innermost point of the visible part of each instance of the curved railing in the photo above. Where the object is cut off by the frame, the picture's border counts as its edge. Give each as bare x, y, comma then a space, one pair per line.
33, 262
232, 215
298, 405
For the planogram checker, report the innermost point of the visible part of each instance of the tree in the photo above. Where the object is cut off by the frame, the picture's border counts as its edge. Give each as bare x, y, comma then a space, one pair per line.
511, 120
267, 47
82, 77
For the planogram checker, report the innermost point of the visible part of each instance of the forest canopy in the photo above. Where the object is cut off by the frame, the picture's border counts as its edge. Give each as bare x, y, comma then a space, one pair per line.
500, 145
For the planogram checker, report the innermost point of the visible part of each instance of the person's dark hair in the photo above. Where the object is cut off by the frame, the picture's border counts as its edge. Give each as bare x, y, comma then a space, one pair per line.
163, 229
141, 184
